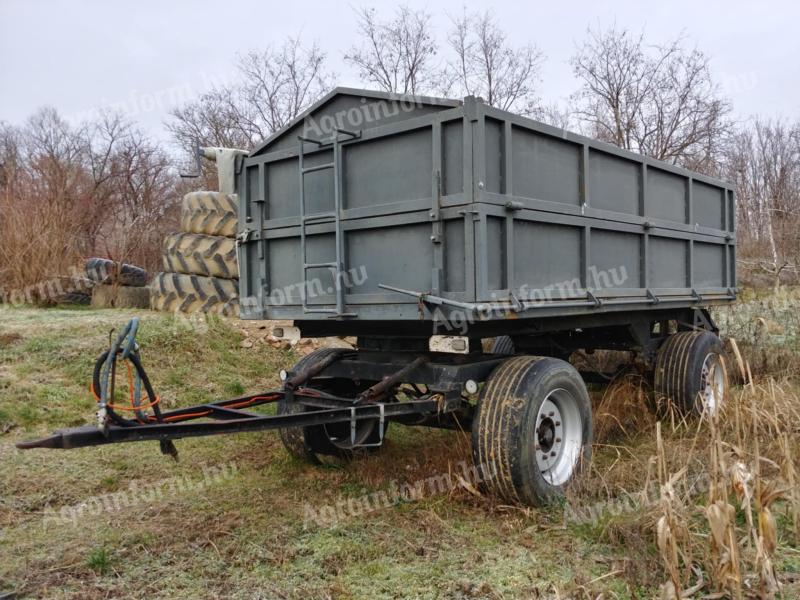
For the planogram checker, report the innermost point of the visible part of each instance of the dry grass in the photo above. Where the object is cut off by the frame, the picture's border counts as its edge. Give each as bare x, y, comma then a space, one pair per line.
38, 245
718, 496
651, 516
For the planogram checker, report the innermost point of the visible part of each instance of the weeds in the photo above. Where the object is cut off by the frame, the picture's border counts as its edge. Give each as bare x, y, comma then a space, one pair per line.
720, 481
99, 560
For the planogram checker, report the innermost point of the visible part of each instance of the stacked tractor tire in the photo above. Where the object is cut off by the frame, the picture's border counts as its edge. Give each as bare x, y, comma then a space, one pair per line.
201, 273
116, 285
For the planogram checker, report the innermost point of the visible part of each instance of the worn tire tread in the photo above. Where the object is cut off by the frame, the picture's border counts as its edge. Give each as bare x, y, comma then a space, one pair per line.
198, 254
176, 292
210, 213
675, 377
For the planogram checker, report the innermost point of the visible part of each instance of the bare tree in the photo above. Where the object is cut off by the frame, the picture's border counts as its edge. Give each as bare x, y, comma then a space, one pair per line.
555, 114
145, 202
396, 55
274, 86
658, 100
486, 64
208, 121
280, 84
68, 192
763, 160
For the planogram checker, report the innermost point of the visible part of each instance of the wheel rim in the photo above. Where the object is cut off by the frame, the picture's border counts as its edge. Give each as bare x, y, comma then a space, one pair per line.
559, 437
712, 384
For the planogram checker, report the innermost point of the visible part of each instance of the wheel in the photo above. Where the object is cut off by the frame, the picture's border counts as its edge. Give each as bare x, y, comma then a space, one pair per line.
690, 372
310, 443
503, 345
211, 213
173, 292
532, 430
73, 298
197, 254
103, 270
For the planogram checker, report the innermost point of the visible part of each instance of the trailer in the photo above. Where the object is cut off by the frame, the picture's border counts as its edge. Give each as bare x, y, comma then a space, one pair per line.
423, 226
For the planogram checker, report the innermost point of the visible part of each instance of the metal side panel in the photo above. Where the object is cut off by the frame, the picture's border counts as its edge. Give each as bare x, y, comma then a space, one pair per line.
394, 250
534, 256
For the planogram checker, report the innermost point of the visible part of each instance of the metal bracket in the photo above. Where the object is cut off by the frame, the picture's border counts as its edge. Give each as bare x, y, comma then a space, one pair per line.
652, 297
516, 302
225, 158
594, 299
381, 428
198, 163
703, 320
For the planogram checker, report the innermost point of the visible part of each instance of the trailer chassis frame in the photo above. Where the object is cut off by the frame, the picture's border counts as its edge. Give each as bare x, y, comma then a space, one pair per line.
441, 405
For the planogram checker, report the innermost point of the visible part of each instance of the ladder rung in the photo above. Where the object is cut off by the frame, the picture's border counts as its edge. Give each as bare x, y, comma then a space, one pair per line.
317, 168
328, 215
328, 311
332, 265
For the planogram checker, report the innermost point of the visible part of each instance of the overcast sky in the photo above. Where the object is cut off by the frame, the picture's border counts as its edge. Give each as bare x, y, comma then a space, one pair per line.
146, 56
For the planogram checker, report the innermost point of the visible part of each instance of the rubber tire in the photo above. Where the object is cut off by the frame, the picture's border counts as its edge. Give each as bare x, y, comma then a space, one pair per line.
81, 298
679, 366
504, 427
103, 270
174, 292
309, 443
198, 254
503, 345
210, 213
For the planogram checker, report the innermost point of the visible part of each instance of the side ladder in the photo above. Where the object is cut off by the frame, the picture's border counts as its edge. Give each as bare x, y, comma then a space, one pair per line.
336, 266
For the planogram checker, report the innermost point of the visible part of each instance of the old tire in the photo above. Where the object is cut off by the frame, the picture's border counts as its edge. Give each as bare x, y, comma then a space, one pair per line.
81, 298
503, 345
174, 292
690, 372
311, 443
532, 430
197, 254
103, 270
209, 213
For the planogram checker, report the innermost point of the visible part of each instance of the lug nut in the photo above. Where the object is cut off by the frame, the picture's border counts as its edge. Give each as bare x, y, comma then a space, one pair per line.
553, 453
558, 423
558, 440
550, 414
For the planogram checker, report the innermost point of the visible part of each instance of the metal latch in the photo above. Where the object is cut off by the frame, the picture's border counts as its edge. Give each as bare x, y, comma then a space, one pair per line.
243, 236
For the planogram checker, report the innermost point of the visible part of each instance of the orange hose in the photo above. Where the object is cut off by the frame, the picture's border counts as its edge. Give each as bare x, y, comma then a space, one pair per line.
132, 407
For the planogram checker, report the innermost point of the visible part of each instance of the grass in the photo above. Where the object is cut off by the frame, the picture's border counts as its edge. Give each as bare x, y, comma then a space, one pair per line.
231, 518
